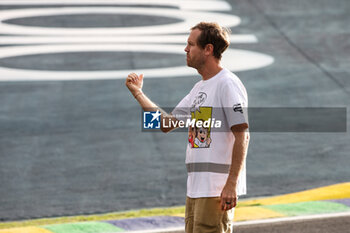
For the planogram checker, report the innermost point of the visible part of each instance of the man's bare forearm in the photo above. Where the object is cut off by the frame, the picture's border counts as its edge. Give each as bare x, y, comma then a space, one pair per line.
239, 154
148, 105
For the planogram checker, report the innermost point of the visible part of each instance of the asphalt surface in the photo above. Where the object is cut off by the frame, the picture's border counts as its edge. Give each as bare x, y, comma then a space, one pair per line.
75, 147
319, 225
323, 225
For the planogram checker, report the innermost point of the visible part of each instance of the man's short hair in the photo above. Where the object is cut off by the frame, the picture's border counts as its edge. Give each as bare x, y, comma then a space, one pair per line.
213, 33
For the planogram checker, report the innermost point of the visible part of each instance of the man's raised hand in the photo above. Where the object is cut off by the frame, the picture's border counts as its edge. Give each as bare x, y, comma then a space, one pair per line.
134, 83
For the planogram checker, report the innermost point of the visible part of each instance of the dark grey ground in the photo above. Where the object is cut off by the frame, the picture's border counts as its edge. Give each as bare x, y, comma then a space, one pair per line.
321, 225
93, 20
75, 147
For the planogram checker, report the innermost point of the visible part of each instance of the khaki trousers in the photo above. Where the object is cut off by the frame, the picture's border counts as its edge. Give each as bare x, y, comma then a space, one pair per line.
204, 215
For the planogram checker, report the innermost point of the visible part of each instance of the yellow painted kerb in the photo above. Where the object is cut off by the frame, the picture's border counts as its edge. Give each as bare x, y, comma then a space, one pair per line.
337, 191
255, 212
25, 230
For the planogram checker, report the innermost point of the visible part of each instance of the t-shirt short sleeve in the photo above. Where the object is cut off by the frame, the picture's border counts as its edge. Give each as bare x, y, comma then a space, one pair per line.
182, 110
235, 103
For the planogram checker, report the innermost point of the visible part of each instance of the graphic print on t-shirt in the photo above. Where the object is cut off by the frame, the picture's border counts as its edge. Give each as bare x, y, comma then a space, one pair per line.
198, 101
199, 137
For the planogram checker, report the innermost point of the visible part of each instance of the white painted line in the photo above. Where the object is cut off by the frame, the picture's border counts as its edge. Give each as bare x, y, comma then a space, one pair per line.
159, 230
205, 5
246, 39
189, 18
295, 218
153, 39
234, 60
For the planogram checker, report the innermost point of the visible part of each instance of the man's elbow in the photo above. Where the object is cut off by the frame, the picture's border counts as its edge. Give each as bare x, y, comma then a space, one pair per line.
241, 133
246, 139
165, 129
168, 124
243, 138
247, 136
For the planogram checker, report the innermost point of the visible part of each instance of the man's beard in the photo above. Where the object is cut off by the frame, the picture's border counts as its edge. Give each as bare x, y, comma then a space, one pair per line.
195, 63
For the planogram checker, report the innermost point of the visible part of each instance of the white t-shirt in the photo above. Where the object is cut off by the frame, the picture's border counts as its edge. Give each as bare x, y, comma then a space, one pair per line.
209, 150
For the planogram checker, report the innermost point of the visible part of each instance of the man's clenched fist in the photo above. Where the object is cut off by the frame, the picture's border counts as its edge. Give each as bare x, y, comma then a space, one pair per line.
134, 83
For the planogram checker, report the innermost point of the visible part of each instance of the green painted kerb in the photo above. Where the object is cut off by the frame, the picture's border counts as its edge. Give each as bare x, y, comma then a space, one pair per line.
83, 227
308, 208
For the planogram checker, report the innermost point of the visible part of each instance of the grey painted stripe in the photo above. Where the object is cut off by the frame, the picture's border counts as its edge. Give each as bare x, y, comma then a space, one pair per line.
208, 167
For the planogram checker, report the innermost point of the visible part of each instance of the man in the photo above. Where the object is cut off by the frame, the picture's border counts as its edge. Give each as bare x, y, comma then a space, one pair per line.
216, 173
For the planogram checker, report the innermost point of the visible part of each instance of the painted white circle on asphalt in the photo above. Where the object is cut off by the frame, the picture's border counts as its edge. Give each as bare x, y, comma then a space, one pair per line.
155, 39
190, 18
234, 60
203, 5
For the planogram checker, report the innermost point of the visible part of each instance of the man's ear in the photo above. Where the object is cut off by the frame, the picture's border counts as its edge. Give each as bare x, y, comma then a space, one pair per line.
209, 49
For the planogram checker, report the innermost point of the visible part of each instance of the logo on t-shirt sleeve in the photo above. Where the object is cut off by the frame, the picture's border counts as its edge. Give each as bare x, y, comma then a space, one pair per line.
238, 108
